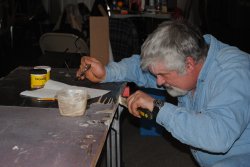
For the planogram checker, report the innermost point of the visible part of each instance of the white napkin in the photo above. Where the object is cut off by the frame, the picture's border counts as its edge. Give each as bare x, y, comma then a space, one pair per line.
51, 87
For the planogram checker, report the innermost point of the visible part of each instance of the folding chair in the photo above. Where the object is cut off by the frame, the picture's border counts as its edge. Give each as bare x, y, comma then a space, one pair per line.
63, 42
58, 48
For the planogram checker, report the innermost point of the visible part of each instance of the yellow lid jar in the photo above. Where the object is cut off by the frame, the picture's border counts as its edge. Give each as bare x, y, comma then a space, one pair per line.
38, 78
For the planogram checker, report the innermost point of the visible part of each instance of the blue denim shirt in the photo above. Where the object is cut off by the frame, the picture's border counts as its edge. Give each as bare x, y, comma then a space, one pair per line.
215, 120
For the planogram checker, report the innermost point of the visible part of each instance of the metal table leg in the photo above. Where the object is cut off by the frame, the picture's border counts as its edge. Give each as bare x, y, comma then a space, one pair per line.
114, 142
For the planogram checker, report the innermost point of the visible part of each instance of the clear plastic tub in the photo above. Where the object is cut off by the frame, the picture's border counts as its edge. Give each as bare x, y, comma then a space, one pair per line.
72, 102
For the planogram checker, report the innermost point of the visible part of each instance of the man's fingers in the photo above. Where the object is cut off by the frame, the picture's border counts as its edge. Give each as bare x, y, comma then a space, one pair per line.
132, 105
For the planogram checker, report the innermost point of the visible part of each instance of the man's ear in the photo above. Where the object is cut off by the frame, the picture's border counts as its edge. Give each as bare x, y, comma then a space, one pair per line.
190, 64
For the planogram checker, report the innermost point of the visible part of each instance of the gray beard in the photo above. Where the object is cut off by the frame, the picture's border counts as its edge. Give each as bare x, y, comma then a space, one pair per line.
175, 92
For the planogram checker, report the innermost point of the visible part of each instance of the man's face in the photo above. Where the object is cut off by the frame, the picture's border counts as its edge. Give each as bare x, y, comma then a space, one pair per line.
176, 84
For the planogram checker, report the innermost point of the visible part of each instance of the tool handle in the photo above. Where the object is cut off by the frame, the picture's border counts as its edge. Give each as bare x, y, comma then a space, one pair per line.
145, 113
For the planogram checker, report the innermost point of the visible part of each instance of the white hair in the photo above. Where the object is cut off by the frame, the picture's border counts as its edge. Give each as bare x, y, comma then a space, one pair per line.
171, 43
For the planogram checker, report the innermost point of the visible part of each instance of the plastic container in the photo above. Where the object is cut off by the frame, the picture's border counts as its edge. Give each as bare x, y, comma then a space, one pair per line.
37, 78
72, 102
47, 68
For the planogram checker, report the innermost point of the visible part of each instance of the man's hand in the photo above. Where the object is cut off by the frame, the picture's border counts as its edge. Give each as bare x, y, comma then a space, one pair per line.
139, 99
96, 73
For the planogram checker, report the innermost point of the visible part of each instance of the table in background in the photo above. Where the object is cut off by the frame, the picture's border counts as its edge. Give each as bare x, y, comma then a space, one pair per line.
33, 133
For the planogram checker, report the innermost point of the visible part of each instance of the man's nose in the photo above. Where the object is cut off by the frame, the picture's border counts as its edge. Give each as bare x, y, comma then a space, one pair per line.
160, 80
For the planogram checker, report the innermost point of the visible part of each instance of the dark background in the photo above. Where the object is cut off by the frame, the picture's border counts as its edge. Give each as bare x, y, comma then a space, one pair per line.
228, 20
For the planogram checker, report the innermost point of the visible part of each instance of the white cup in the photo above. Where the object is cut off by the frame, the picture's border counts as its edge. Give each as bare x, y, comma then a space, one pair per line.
72, 102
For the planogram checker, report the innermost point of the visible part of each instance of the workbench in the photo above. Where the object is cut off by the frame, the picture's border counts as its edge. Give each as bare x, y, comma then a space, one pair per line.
33, 133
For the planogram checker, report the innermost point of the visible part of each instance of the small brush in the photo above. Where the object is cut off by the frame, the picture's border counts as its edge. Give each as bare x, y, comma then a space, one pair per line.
86, 68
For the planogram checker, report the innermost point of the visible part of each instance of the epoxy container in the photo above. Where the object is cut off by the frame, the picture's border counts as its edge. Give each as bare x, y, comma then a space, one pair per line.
38, 78
72, 102
47, 68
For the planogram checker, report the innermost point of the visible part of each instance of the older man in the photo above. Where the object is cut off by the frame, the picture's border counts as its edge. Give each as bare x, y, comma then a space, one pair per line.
211, 80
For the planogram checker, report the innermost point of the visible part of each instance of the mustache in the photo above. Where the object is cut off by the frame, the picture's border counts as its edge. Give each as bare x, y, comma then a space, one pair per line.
169, 87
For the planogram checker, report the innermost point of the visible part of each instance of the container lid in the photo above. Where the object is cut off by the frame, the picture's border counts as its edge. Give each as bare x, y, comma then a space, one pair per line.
38, 71
48, 68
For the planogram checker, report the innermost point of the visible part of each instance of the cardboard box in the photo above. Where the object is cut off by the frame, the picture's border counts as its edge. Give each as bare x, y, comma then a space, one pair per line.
99, 38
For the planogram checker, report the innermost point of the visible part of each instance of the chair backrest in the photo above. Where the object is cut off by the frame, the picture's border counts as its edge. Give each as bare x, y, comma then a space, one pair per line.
63, 42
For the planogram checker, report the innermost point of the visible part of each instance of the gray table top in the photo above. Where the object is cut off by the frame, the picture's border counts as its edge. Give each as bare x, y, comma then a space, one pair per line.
35, 134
